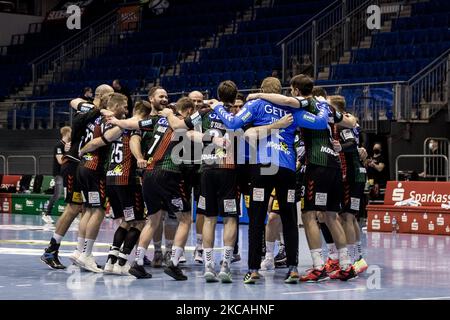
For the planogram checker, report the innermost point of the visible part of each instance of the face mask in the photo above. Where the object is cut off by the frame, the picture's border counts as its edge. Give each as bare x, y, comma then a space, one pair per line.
376, 151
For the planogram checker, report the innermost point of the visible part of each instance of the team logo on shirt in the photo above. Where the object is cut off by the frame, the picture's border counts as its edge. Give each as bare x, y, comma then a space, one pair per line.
117, 171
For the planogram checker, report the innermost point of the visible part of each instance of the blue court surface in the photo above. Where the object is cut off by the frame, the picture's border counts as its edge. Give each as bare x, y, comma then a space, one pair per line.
401, 267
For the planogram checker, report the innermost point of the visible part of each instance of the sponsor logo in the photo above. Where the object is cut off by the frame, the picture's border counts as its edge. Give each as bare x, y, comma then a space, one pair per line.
178, 203
29, 203
163, 122
94, 197
404, 217
309, 118
5, 205
61, 209
277, 112
161, 129
146, 123
229, 205
77, 197
282, 146
414, 225
18, 207
387, 218
201, 203
440, 220
355, 203
291, 196
398, 193
321, 199
116, 172
258, 194
431, 226
329, 151
425, 216
128, 213
376, 223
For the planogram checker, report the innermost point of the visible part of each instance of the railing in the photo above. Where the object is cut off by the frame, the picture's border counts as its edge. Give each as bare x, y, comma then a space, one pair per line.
427, 92
434, 167
302, 42
90, 42
4, 163
21, 157
39, 163
424, 156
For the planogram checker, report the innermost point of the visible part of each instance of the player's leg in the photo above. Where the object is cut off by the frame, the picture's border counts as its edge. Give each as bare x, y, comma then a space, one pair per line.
182, 233
58, 189
199, 221
273, 228
229, 239
158, 255
170, 229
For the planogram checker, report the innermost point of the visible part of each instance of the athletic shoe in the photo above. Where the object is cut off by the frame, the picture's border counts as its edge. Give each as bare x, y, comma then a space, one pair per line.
280, 258
182, 259
47, 219
51, 259
174, 271
360, 265
251, 277
109, 266
157, 259
315, 275
210, 274
225, 273
345, 275
74, 257
88, 263
139, 271
198, 255
268, 264
292, 276
117, 269
167, 257
332, 266
147, 262
236, 258
126, 269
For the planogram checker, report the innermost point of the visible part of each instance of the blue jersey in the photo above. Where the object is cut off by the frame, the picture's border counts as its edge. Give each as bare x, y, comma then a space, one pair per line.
277, 149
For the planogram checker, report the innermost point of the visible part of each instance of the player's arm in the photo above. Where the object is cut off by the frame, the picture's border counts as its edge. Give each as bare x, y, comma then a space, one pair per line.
345, 120
230, 120
134, 123
264, 131
308, 120
174, 122
107, 138
278, 99
198, 137
59, 154
348, 140
136, 151
81, 105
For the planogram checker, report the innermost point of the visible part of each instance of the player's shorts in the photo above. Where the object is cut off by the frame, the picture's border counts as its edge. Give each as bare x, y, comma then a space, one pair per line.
275, 205
243, 179
126, 202
191, 178
353, 197
72, 188
323, 189
164, 190
93, 187
218, 193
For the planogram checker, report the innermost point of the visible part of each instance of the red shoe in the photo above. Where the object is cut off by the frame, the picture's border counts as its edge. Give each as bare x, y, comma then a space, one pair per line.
315, 275
345, 275
332, 266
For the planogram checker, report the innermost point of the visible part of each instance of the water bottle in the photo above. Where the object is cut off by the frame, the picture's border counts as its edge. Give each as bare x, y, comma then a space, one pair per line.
394, 225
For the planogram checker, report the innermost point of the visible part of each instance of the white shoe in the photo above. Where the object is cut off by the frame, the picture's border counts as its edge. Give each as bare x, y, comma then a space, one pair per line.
47, 219
126, 269
198, 255
88, 263
182, 259
117, 269
109, 266
268, 264
74, 257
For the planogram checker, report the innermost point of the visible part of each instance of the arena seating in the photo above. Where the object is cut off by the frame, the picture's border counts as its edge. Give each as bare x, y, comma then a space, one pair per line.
412, 44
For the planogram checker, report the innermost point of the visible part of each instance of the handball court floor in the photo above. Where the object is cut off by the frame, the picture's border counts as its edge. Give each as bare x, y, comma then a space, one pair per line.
403, 266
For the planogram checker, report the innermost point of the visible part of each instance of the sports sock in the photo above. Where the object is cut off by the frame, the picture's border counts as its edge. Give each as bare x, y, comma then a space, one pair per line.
351, 252
332, 251
209, 256
123, 258
88, 245
359, 250
227, 254
119, 237
316, 255
270, 247
140, 254
113, 254
344, 258
199, 238
80, 244
57, 238
130, 240
177, 252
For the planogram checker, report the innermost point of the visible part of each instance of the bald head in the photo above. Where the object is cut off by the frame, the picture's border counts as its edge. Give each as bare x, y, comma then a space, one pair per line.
101, 91
197, 98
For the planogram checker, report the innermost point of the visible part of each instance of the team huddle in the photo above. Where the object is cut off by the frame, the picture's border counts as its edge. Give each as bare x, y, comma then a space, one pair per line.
285, 156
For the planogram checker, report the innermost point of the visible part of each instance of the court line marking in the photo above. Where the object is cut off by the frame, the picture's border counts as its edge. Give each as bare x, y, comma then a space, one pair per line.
325, 291
23, 285
431, 298
51, 284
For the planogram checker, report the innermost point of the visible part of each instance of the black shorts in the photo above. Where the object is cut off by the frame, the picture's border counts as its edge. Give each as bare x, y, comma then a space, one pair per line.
191, 178
243, 179
300, 186
323, 189
353, 197
126, 202
164, 190
93, 187
218, 193
72, 188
